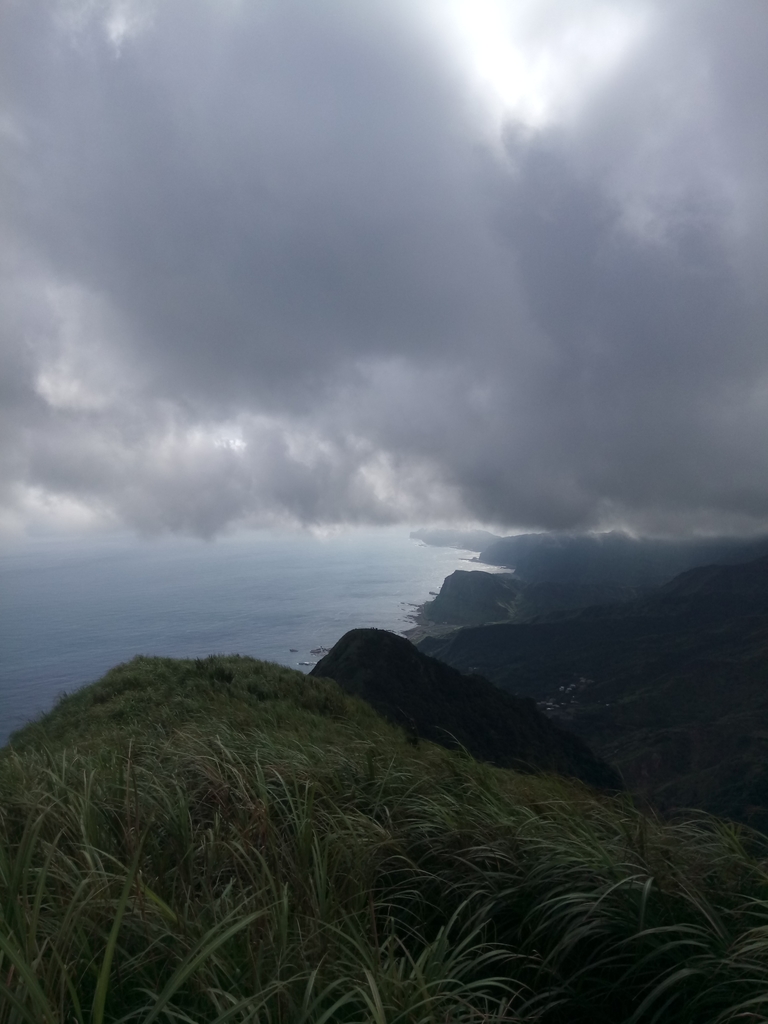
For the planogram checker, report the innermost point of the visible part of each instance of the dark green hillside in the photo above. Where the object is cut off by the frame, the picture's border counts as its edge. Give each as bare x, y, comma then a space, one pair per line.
472, 598
229, 841
438, 703
673, 688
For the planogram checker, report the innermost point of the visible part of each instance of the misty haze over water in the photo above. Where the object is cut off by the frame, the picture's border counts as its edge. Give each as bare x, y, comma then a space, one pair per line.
69, 612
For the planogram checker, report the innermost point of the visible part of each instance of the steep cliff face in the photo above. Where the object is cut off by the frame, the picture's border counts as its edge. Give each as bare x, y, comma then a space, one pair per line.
436, 702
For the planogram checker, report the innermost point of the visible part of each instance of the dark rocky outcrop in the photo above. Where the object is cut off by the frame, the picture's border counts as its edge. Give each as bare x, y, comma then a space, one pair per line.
435, 702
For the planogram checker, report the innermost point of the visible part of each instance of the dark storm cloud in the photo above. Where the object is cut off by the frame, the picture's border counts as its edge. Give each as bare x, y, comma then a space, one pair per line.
281, 186
267, 262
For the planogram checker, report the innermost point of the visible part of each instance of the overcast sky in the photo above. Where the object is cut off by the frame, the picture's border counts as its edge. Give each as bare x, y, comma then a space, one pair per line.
349, 261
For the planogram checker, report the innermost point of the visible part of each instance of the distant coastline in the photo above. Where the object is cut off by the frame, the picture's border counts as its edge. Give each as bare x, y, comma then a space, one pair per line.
278, 598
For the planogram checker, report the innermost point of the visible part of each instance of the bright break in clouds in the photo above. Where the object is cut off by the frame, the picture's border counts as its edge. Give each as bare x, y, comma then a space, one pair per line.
274, 261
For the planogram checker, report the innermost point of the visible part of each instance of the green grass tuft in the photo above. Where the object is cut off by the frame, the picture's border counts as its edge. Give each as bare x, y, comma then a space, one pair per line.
229, 840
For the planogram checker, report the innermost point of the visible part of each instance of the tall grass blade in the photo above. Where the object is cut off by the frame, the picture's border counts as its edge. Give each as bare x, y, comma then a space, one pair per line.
102, 983
44, 1010
204, 949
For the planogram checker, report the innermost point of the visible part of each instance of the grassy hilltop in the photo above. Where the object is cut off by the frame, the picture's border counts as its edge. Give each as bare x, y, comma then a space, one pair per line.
229, 840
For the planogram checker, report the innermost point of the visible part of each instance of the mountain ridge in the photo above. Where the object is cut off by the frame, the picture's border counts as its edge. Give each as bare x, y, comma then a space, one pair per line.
614, 558
475, 597
672, 687
435, 702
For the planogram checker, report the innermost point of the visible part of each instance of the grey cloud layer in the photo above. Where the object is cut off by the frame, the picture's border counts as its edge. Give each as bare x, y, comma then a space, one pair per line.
265, 262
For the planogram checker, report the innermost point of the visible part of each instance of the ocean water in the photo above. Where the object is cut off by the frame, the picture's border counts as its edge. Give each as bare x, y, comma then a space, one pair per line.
70, 610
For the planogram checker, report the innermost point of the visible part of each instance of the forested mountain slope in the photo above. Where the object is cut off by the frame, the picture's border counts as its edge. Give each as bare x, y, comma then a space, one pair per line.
672, 687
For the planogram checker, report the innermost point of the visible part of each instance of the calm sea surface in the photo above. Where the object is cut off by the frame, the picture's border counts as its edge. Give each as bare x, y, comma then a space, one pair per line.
71, 610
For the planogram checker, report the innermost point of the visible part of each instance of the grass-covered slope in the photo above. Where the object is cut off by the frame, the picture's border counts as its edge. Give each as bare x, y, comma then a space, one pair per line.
434, 701
227, 840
